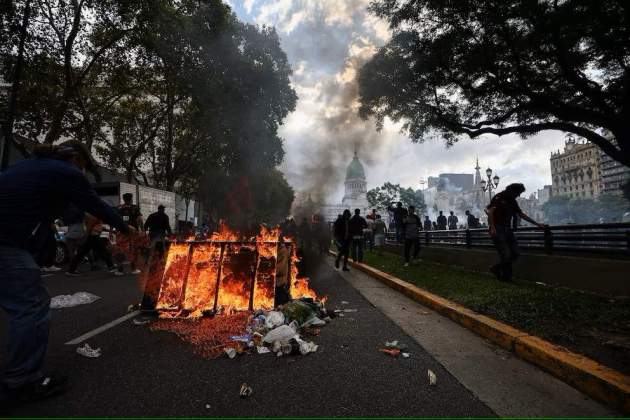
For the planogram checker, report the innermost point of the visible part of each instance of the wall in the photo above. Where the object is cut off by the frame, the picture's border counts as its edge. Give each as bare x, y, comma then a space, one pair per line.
595, 274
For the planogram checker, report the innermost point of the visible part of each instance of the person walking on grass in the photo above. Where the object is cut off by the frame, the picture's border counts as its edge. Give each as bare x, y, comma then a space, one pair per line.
411, 226
343, 239
34, 193
501, 212
357, 229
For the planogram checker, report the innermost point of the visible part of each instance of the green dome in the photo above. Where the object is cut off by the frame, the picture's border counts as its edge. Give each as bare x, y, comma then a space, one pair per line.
355, 169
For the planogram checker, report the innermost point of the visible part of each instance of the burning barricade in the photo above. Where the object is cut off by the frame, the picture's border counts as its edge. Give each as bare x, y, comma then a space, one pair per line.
229, 294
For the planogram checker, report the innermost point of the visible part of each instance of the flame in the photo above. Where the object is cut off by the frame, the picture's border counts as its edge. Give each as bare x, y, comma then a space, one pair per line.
226, 273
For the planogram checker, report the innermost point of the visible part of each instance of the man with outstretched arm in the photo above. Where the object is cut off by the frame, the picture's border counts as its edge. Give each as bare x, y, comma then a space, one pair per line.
501, 211
34, 193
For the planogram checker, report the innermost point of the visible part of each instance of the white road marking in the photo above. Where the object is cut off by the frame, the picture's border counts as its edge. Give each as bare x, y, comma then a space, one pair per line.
102, 328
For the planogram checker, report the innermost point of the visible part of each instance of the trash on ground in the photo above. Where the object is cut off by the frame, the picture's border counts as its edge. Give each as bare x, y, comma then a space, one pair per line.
405, 355
282, 334
432, 378
391, 352
141, 321
207, 406
274, 319
343, 302
231, 352
262, 350
315, 321
349, 310
395, 345
68, 301
88, 351
245, 391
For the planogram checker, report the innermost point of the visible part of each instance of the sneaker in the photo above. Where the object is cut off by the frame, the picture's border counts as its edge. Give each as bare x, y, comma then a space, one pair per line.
72, 273
136, 271
47, 387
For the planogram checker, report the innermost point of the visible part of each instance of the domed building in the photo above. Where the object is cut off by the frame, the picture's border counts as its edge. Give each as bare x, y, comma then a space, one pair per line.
355, 195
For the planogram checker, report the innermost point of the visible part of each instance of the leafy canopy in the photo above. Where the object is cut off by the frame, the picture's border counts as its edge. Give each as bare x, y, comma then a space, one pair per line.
474, 67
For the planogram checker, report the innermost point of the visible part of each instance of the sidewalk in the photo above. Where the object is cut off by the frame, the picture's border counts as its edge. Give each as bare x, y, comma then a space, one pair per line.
508, 385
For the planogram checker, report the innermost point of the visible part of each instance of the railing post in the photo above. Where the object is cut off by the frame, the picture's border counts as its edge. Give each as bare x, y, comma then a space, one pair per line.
427, 237
628, 239
548, 240
468, 239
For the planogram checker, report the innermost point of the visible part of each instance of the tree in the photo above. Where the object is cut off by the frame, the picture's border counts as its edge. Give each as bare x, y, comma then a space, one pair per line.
383, 197
475, 67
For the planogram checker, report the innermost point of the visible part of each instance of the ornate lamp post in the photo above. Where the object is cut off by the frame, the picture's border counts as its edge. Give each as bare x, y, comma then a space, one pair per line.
491, 184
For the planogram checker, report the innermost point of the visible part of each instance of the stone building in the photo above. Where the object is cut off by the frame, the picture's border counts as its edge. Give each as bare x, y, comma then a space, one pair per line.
614, 174
576, 171
355, 192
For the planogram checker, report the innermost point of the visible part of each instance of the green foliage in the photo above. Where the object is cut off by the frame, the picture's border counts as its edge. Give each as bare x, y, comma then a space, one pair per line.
474, 67
383, 197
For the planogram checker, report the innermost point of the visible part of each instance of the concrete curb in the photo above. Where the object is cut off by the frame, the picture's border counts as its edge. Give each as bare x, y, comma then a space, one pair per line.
596, 380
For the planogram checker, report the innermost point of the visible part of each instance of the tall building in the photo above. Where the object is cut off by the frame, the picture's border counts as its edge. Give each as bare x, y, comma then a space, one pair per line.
614, 174
576, 171
355, 193
544, 194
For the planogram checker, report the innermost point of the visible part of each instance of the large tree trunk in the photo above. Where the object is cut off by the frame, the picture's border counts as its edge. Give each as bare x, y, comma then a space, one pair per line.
7, 126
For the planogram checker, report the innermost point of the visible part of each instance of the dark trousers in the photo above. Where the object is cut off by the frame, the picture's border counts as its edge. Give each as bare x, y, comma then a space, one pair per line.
507, 248
27, 303
97, 246
357, 249
409, 243
399, 232
344, 249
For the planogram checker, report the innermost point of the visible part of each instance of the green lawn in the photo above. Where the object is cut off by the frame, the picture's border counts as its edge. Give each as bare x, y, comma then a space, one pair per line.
581, 321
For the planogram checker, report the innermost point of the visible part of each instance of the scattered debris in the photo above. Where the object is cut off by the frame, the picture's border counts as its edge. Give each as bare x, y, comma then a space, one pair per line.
245, 391
274, 319
133, 307
282, 334
343, 302
391, 352
349, 310
88, 351
207, 406
231, 352
262, 350
68, 301
406, 355
141, 321
432, 378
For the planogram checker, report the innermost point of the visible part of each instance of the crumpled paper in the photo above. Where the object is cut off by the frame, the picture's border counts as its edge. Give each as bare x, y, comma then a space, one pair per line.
68, 301
88, 351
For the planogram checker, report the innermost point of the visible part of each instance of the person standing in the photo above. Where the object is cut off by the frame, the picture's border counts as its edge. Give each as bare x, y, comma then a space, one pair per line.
411, 226
501, 212
158, 225
441, 221
399, 214
130, 213
357, 229
34, 193
379, 229
368, 232
452, 221
427, 223
471, 221
75, 220
343, 239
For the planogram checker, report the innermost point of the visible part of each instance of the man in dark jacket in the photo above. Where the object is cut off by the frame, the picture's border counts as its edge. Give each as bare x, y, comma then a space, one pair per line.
501, 212
441, 221
158, 226
399, 214
34, 193
357, 226
411, 226
342, 239
452, 221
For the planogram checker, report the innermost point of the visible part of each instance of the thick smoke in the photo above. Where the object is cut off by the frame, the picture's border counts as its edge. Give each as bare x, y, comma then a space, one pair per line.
332, 43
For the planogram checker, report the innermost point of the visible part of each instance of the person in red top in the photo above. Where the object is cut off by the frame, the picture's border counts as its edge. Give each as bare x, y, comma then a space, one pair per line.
501, 212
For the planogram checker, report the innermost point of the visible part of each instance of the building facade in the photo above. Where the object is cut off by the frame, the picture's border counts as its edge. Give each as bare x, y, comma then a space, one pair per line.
355, 193
576, 171
614, 174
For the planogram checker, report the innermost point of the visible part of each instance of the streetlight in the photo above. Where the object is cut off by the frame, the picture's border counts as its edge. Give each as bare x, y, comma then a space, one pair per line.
491, 184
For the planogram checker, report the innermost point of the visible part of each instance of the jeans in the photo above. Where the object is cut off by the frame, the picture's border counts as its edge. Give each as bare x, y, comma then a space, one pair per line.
415, 243
399, 232
507, 247
358, 243
27, 303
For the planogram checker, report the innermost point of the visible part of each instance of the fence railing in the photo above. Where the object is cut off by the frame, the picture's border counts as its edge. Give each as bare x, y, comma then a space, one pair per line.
601, 238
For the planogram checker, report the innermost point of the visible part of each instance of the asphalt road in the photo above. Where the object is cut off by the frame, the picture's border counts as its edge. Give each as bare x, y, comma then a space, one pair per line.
144, 373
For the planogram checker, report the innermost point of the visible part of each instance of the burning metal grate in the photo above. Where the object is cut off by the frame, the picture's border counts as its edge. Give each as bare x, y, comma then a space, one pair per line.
226, 272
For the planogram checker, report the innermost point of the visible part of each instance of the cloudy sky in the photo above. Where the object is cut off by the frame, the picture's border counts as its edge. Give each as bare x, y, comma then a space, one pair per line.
326, 42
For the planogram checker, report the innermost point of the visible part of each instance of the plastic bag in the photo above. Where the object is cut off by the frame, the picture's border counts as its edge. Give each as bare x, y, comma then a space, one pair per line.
298, 311
283, 334
68, 301
274, 319
88, 351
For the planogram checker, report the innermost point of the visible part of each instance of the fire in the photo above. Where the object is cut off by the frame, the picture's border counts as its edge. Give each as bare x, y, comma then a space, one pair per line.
229, 272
